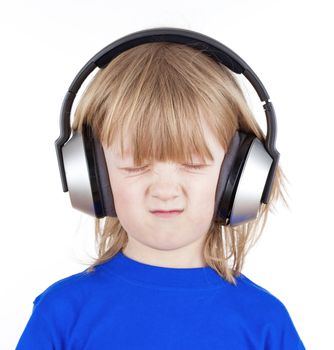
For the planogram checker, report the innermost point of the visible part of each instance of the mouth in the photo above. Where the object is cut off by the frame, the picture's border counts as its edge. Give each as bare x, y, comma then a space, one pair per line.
167, 213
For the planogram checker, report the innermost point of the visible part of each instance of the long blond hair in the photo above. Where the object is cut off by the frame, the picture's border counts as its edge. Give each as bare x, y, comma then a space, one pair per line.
157, 91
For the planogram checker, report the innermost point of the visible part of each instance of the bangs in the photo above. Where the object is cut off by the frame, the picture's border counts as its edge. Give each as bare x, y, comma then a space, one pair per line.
159, 132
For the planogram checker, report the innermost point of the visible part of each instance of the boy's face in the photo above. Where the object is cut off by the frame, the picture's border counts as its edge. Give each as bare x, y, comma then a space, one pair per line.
171, 242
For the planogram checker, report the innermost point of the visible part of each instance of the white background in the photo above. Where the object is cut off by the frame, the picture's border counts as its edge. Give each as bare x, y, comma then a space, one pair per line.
288, 44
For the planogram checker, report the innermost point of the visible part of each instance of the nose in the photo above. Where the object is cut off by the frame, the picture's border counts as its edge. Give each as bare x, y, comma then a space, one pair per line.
165, 184
164, 190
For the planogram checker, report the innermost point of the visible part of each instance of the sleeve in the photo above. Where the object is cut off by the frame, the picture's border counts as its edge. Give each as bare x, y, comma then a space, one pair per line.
282, 334
39, 333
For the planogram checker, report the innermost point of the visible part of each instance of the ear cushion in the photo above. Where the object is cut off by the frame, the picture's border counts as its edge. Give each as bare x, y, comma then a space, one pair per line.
98, 174
229, 176
102, 169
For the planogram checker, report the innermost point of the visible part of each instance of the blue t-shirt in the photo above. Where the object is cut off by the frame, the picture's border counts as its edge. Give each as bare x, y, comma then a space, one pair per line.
126, 304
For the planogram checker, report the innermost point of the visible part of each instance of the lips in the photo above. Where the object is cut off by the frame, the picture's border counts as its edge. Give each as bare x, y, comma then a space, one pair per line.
167, 211
167, 214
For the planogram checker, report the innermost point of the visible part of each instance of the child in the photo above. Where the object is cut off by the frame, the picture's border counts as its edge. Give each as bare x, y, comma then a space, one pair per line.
165, 114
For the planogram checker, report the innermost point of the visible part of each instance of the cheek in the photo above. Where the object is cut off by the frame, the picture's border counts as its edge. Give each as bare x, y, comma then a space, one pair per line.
125, 199
204, 194
129, 209
203, 198
205, 187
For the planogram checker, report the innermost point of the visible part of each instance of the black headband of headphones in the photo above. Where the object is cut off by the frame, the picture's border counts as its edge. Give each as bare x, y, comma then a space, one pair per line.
209, 46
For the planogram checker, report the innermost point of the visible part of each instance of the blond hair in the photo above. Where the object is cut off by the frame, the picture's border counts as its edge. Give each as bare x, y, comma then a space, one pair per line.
158, 92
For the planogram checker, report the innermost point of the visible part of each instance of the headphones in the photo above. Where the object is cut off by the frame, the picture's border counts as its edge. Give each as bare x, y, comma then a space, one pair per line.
247, 171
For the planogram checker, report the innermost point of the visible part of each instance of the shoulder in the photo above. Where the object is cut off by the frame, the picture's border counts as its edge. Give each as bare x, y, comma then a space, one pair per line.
269, 311
68, 293
56, 310
261, 300
256, 291
263, 305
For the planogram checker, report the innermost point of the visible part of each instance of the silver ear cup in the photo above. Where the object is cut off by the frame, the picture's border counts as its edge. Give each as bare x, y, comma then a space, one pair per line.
77, 176
243, 175
251, 184
87, 175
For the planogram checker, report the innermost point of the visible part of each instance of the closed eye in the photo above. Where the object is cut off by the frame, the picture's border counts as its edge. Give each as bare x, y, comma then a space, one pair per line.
134, 170
191, 166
